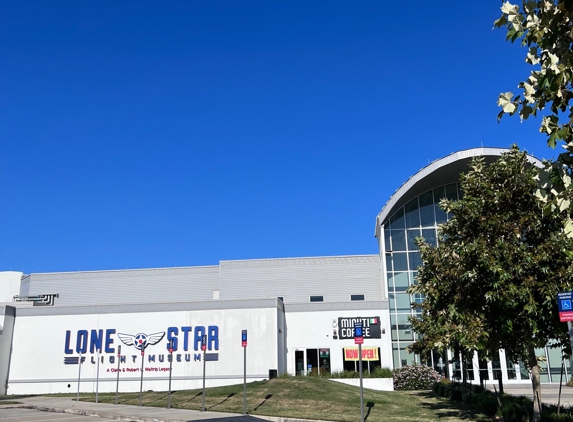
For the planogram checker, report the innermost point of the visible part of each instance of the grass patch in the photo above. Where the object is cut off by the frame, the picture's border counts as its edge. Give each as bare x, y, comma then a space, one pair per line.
309, 398
9, 400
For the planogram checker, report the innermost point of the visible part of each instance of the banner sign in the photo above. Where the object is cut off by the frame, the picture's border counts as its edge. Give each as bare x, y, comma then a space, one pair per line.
565, 304
103, 343
368, 353
370, 327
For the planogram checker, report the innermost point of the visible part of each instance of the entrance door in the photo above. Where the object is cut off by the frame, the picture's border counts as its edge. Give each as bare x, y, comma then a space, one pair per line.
312, 361
299, 360
324, 356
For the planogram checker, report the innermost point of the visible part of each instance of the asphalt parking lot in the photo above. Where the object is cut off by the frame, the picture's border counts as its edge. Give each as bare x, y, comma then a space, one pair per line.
29, 415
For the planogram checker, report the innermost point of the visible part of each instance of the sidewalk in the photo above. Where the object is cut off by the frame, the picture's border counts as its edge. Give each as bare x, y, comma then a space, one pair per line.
549, 392
133, 413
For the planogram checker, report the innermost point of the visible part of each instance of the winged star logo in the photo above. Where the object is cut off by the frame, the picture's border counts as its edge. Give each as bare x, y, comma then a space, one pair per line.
141, 340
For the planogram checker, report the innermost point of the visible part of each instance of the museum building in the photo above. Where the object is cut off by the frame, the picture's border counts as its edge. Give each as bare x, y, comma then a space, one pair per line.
97, 327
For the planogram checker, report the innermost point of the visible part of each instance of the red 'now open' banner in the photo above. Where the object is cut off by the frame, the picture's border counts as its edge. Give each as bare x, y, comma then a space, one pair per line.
368, 353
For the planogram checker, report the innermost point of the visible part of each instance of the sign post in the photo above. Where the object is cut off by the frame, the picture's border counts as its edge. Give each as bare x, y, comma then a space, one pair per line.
141, 382
244, 346
565, 304
97, 377
204, 348
170, 369
117, 382
359, 339
79, 376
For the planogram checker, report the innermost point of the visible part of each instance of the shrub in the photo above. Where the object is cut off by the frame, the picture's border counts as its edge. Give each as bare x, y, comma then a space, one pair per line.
515, 409
416, 377
380, 372
442, 388
485, 402
377, 372
344, 374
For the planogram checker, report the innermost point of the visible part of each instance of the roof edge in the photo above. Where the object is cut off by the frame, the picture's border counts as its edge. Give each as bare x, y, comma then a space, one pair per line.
433, 167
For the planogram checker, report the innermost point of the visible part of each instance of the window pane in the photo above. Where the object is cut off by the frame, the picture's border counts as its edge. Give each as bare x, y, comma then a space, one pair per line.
555, 363
390, 282
438, 194
452, 191
415, 260
392, 300
394, 327
412, 235
496, 367
356, 297
403, 302
412, 213
317, 298
398, 240
400, 261
404, 329
511, 374
441, 215
401, 281
396, 356
413, 276
397, 220
427, 209
429, 236
523, 371
388, 262
387, 238
405, 357
483, 370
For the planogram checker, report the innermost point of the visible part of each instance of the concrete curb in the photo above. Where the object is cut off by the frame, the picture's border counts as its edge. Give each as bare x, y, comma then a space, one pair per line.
285, 419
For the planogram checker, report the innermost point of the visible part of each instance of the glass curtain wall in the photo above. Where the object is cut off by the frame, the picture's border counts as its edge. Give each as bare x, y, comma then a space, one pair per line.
418, 218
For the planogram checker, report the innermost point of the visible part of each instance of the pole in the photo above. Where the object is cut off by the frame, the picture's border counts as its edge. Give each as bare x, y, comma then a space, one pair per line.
117, 382
97, 378
170, 369
361, 387
570, 328
244, 380
560, 384
141, 382
79, 376
204, 365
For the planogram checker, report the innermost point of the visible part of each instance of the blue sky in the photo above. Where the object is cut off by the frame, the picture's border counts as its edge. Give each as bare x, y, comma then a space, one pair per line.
150, 134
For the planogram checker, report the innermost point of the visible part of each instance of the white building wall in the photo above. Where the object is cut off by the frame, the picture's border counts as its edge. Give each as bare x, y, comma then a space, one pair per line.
314, 330
335, 278
40, 341
9, 285
148, 285
7, 315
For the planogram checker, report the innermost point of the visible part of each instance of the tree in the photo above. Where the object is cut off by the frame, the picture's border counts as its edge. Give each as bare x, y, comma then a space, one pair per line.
491, 282
545, 27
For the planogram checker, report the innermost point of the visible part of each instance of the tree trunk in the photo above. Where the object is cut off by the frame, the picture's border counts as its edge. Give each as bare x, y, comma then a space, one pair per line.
535, 383
466, 361
498, 374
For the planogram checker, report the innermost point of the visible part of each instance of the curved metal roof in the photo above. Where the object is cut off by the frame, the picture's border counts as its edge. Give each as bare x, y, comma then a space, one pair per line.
440, 172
